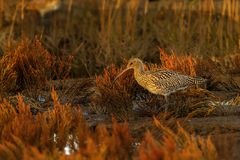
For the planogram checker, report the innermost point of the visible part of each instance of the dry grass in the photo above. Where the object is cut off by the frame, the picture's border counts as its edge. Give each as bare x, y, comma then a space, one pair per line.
34, 105
183, 64
113, 98
225, 145
29, 65
48, 133
124, 28
229, 63
62, 121
25, 66
180, 145
197, 38
221, 72
121, 98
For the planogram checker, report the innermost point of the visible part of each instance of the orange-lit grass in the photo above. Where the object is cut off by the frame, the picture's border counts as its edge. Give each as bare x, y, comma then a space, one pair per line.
30, 64
40, 128
48, 133
215, 70
183, 64
28, 137
114, 98
7, 75
26, 65
179, 145
118, 98
104, 144
185, 27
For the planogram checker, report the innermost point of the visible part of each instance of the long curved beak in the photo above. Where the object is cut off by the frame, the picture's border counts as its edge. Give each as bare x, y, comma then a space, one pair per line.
120, 74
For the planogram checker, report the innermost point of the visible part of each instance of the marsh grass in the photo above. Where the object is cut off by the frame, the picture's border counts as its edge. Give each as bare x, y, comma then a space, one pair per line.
197, 38
34, 105
186, 144
49, 132
183, 64
121, 97
113, 98
222, 72
25, 66
29, 65
122, 29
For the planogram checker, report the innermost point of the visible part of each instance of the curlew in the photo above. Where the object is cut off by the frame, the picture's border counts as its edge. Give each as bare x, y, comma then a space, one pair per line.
161, 82
44, 6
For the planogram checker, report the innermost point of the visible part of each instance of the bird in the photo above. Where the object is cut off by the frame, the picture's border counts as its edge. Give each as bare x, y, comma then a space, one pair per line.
160, 82
44, 6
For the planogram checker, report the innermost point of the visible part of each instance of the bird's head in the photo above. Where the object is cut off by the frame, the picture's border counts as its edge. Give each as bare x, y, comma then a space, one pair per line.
134, 63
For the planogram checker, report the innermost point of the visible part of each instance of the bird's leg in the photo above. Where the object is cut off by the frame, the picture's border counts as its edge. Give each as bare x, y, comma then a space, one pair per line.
42, 26
166, 103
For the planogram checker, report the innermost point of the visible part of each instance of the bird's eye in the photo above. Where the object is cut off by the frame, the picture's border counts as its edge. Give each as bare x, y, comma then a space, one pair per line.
131, 63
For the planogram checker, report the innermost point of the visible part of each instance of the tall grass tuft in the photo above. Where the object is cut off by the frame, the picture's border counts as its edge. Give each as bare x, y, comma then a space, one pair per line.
122, 29
180, 145
125, 96
28, 64
23, 136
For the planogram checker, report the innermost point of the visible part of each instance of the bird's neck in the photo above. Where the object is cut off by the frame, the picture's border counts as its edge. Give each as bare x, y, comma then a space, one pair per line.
138, 71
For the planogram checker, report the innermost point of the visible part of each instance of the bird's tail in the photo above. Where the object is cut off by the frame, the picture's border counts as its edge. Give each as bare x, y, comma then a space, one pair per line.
199, 81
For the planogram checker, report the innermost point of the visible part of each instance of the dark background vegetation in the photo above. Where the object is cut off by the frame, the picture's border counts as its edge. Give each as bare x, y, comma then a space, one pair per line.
57, 70
98, 33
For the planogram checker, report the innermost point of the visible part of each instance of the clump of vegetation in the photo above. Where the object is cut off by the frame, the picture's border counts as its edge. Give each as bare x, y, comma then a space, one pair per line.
121, 97
179, 145
7, 76
114, 98
30, 65
81, 38
183, 64
125, 28
221, 72
25, 66
49, 133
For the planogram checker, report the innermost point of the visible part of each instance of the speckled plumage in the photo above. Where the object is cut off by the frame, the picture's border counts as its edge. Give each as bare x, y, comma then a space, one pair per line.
161, 82
165, 82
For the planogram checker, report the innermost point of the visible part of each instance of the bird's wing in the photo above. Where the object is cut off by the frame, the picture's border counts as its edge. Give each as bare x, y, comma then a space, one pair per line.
169, 81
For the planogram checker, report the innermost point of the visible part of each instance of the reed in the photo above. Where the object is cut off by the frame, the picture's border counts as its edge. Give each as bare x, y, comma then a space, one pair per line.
121, 29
